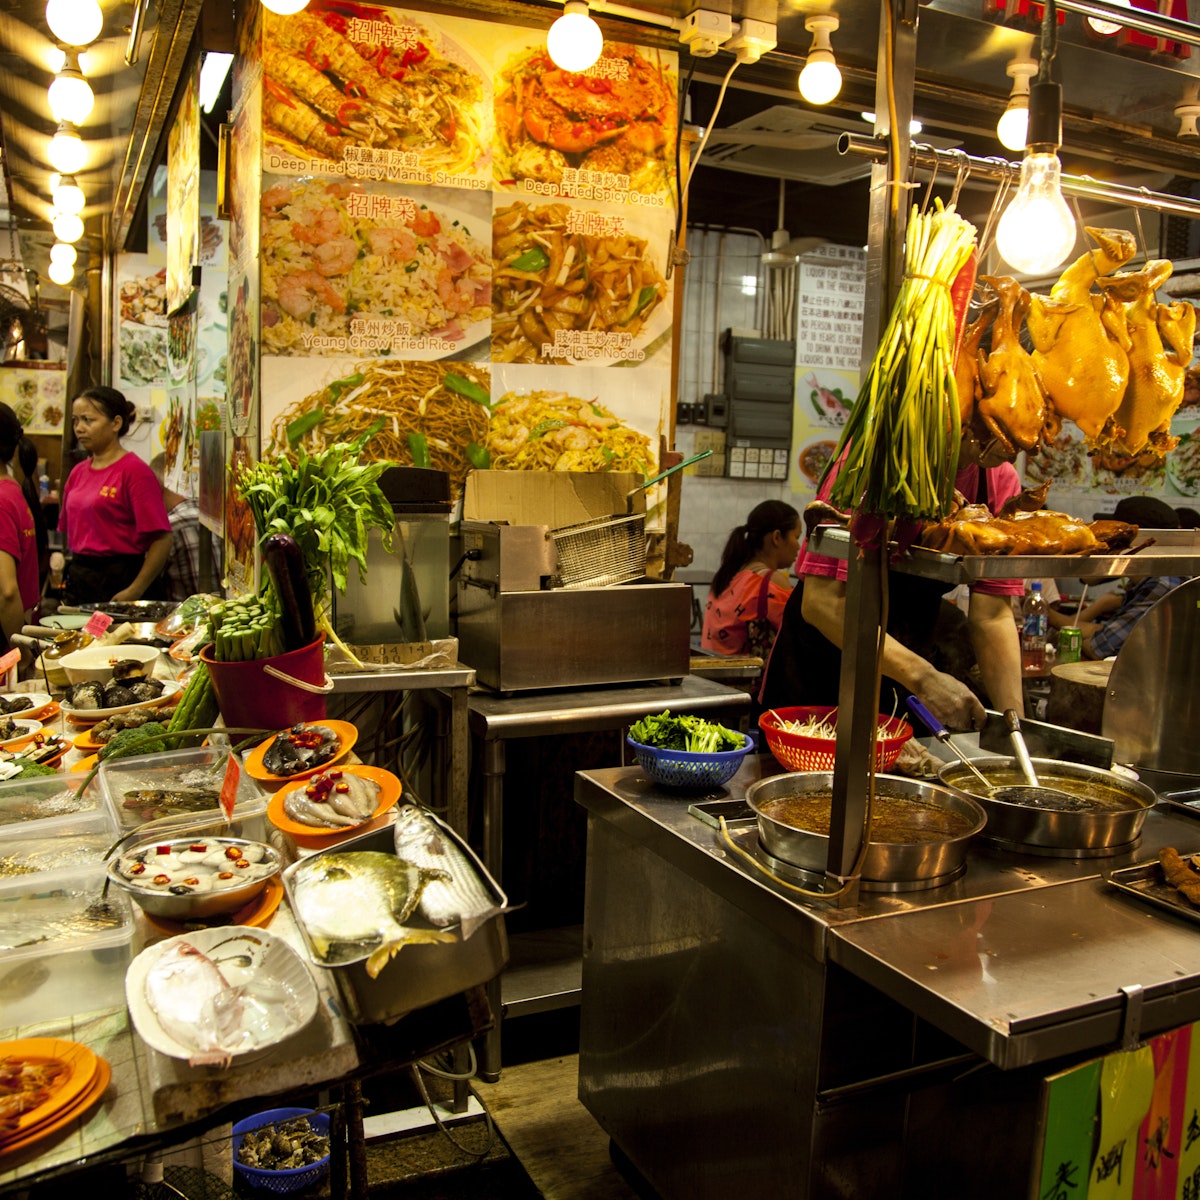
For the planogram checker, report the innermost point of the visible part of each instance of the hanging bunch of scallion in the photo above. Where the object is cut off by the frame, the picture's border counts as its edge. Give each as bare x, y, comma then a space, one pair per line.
901, 439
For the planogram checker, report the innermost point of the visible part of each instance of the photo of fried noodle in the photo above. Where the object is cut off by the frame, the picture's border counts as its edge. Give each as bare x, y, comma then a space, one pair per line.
552, 431
545, 279
434, 415
419, 272
330, 82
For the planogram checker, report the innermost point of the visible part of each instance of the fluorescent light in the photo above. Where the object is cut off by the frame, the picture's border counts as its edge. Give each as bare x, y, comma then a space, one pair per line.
212, 77
574, 41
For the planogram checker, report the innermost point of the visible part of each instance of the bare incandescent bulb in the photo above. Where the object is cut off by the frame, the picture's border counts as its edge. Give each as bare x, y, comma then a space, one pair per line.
75, 22
1037, 232
820, 80
284, 8
574, 41
61, 272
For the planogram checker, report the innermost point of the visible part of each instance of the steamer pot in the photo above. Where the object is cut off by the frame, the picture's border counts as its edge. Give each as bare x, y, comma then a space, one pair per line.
885, 862
1054, 828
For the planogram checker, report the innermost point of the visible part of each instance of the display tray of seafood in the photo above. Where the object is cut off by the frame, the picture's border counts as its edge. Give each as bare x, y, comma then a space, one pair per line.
300, 751
130, 687
333, 801
212, 995
1172, 883
403, 916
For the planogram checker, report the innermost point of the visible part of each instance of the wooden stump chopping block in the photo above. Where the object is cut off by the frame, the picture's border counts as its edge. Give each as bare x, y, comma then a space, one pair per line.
1077, 692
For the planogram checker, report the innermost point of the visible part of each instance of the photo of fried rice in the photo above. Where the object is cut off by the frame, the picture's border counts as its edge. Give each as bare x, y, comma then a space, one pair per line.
413, 271
554, 431
617, 117
563, 295
425, 414
380, 80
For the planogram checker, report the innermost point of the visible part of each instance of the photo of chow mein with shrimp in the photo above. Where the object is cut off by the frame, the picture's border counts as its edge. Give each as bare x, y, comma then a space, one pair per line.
618, 117
414, 270
379, 80
428, 414
592, 294
554, 431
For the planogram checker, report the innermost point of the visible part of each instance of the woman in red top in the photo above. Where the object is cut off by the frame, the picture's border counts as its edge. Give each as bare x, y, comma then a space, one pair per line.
113, 514
752, 578
19, 589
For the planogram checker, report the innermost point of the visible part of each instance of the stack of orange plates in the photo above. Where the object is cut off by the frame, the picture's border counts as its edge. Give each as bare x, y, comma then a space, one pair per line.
45, 1084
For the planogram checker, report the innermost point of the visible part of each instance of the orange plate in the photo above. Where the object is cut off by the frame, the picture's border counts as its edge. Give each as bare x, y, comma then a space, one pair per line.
80, 1061
85, 741
256, 913
347, 736
95, 1088
86, 764
389, 793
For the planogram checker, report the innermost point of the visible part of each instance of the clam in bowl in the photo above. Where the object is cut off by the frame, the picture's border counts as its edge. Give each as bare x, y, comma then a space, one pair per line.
197, 878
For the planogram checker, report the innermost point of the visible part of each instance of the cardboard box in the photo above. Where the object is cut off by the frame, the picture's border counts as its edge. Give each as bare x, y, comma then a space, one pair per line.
550, 498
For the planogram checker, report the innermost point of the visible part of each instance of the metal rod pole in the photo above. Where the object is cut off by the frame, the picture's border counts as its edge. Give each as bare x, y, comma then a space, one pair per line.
926, 158
1171, 28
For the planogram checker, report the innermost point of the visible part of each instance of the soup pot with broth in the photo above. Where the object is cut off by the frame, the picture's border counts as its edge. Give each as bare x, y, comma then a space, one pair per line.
919, 831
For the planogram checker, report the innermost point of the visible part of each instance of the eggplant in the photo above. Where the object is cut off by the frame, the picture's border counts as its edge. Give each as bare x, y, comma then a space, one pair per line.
285, 564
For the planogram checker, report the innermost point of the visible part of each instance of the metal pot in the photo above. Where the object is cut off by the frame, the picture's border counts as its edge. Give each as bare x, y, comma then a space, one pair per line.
1055, 828
885, 862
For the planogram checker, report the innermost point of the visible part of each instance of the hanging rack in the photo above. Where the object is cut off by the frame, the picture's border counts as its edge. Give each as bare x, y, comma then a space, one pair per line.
996, 169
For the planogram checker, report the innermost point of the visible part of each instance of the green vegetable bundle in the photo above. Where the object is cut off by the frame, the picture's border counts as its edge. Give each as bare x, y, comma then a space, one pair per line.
197, 708
245, 628
687, 732
902, 437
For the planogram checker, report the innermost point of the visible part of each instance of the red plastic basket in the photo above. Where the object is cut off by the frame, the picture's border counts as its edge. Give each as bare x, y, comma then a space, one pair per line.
802, 753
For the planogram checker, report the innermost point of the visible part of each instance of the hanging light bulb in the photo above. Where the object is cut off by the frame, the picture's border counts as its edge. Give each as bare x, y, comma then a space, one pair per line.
68, 227
1037, 232
61, 272
63, 252
67, 153
1013, 125
71, 97
1108, 28
67, 196
574, 41
820, 80
1187, 110
284, 8
75, 22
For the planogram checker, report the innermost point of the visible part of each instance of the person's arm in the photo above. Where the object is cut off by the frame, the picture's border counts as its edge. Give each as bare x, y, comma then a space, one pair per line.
824, 607
12, 615
1102, 606
157, 554
997, 649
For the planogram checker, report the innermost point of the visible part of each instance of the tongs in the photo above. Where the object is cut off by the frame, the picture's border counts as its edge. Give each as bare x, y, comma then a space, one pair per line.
687, 462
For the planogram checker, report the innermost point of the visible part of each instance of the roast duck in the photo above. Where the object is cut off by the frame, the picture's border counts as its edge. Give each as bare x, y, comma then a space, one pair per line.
1106, 355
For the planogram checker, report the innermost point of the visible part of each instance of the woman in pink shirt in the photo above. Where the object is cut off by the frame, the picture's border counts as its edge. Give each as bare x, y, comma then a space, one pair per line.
113, 514
752, 581
19, 589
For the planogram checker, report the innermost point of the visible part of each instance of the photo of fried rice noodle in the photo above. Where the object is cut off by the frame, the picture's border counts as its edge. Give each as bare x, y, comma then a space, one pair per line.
323, 92
323, 267
553, 431
546, 279
434, 414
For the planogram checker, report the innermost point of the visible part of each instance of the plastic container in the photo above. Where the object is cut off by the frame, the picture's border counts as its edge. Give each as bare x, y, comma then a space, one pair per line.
95, 663
59, 857
47, 805
682, 769
74, 967
251, 698
280, 1182
803, 753
203, 768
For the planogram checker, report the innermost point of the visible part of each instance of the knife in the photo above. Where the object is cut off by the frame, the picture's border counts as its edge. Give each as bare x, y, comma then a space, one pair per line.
1047, 741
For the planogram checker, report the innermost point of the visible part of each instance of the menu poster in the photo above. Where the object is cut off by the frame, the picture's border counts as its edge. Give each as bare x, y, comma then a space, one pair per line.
141, 326
37, 395
363, 92
183, 193
212, 480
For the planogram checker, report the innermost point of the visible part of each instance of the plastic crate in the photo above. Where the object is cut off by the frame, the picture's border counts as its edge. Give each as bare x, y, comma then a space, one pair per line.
802, 753
682, 769
293, 1179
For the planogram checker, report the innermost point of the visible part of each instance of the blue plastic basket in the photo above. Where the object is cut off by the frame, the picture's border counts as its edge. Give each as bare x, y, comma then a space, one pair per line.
681, 769
293, 1178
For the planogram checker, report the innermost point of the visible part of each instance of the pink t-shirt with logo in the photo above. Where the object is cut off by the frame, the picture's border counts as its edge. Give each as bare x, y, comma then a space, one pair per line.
118, 509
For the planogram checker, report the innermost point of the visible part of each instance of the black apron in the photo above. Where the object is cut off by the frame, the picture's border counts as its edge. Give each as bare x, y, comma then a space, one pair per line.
93, 579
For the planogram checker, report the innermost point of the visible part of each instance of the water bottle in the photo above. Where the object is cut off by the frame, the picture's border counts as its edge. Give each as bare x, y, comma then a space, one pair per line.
1034, 623
44, 488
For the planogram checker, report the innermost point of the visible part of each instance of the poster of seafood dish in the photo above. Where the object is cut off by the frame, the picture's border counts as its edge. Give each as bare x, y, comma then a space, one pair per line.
37, 395
375, 93
183, 194
607, 133
349, 268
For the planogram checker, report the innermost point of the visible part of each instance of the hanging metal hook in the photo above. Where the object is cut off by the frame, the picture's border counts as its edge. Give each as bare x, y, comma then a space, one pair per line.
1137, 216
962, 172
932, 179
1003, 187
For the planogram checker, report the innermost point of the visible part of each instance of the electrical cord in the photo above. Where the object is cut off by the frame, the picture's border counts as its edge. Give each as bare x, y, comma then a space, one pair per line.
415, 1071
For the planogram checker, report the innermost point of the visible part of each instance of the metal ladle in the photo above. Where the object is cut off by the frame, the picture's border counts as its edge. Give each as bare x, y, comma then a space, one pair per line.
1033, 793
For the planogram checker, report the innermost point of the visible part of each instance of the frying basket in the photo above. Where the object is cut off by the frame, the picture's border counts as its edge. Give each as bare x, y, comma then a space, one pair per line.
601, 552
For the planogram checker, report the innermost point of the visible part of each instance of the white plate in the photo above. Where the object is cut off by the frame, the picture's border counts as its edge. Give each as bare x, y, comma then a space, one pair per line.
89, 716
40, 700
26, 728
269, 957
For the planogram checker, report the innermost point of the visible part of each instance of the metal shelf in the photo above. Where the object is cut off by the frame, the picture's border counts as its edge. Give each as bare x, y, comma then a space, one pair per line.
1175, 552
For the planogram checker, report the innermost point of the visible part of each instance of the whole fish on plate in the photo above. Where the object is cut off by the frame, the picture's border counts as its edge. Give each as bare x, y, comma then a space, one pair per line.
455, 892
357, 903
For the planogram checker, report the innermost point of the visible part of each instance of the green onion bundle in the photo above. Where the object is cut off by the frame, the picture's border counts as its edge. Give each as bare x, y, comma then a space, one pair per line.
903, 431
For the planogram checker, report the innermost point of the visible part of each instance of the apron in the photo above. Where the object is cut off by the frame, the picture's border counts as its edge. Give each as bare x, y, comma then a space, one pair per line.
93, 579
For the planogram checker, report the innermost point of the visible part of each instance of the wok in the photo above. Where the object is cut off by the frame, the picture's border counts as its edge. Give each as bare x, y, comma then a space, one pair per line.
1058, 828
885, 862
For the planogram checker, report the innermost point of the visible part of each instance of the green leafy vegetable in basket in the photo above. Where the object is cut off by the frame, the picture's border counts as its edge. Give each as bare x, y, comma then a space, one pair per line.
690, 733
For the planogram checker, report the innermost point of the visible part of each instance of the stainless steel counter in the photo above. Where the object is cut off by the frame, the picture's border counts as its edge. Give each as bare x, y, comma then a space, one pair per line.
696, 963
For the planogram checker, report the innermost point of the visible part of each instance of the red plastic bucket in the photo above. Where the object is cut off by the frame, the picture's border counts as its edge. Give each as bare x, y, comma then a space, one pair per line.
253, 695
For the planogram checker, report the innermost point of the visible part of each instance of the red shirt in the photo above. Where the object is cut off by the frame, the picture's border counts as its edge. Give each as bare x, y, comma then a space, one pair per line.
117, 509
17, 539
725, 616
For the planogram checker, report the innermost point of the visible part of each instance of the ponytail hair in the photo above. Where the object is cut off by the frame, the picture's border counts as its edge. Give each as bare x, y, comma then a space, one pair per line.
746, 540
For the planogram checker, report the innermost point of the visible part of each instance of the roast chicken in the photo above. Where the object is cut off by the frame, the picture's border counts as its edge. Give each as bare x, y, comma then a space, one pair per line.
973, 530
1011, 402
966, 366
1081, 343
1156, 373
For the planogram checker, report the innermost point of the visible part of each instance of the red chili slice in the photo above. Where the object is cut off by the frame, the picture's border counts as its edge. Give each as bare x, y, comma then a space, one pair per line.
347, 110
225, 875
234, 852
162, 849
137, 869
162, 879
191, 881
200, 848
317, 62
243, 863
